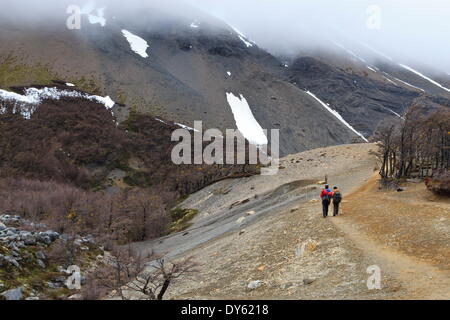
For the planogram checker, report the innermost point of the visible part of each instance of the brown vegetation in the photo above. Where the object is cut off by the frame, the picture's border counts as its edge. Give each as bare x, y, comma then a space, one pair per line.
124, 274
51, 164
416, 146
131, 215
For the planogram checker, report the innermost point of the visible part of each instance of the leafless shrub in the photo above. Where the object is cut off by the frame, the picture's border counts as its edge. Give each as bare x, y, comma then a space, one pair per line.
131, 215
416, 146
124, 272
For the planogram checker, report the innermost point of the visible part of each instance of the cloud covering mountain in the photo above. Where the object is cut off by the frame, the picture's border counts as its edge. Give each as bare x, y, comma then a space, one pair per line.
408, 31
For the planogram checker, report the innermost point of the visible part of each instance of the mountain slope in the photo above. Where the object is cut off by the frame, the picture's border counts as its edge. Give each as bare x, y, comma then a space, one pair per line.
363, 93
181, 67
192, 65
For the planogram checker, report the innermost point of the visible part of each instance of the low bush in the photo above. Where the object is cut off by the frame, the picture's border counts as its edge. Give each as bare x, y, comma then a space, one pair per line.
439, 184
131, 215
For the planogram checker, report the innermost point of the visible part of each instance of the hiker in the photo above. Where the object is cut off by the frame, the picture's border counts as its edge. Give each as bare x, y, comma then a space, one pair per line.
326, 195
337, 198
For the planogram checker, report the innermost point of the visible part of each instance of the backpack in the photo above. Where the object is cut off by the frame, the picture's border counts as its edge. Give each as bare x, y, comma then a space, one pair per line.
327, 195
337, 196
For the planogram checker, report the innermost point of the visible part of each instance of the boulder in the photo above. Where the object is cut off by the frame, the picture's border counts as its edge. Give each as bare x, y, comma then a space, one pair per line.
255, 284
13, 294
5, 260
41, 263
28, 239
40, 255
308, 281
53, 285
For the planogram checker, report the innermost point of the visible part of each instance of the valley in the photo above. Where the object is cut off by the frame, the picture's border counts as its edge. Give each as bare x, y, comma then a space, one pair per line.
253, 243
118, 131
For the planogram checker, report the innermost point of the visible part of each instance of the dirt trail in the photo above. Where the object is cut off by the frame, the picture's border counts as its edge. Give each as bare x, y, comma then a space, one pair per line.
368, 227
405, 234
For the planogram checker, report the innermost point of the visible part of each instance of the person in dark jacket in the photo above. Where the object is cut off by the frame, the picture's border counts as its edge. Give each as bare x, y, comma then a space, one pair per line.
326, 195
337, 198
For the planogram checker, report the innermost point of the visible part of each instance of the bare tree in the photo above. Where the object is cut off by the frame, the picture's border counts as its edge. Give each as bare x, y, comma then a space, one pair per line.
124, 271
155, 280
418, 145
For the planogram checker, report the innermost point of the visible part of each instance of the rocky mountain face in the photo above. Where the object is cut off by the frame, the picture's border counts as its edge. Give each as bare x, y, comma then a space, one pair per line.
364, 93
181, 67
192, 64
33, 262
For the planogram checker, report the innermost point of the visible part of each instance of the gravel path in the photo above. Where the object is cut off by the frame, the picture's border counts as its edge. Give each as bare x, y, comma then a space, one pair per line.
277, 238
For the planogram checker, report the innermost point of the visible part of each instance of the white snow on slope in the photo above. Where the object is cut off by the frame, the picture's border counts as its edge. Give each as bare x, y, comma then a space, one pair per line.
424, 77
390, 80
157, 119
194, 25
395, 113
243, 38
137, 44
337, 115
409, 84
34, 97
70, 84
245, 121
372, 69
186, 127
178, 124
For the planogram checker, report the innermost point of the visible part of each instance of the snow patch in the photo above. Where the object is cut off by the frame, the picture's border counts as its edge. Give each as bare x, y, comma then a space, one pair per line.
395, 113
245, 121
424, 77
186, 127
137, 44
409, 84
389, 80
33, 97
178, 124
229, 73
243, 38
194, 25
337, 115
70, 84
157, 119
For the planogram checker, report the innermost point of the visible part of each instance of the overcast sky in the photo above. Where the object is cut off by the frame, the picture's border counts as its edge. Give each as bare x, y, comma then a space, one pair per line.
408, 29
402, 29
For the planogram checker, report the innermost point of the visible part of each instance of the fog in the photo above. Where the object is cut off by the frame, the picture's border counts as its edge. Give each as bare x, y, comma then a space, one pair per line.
406, 30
